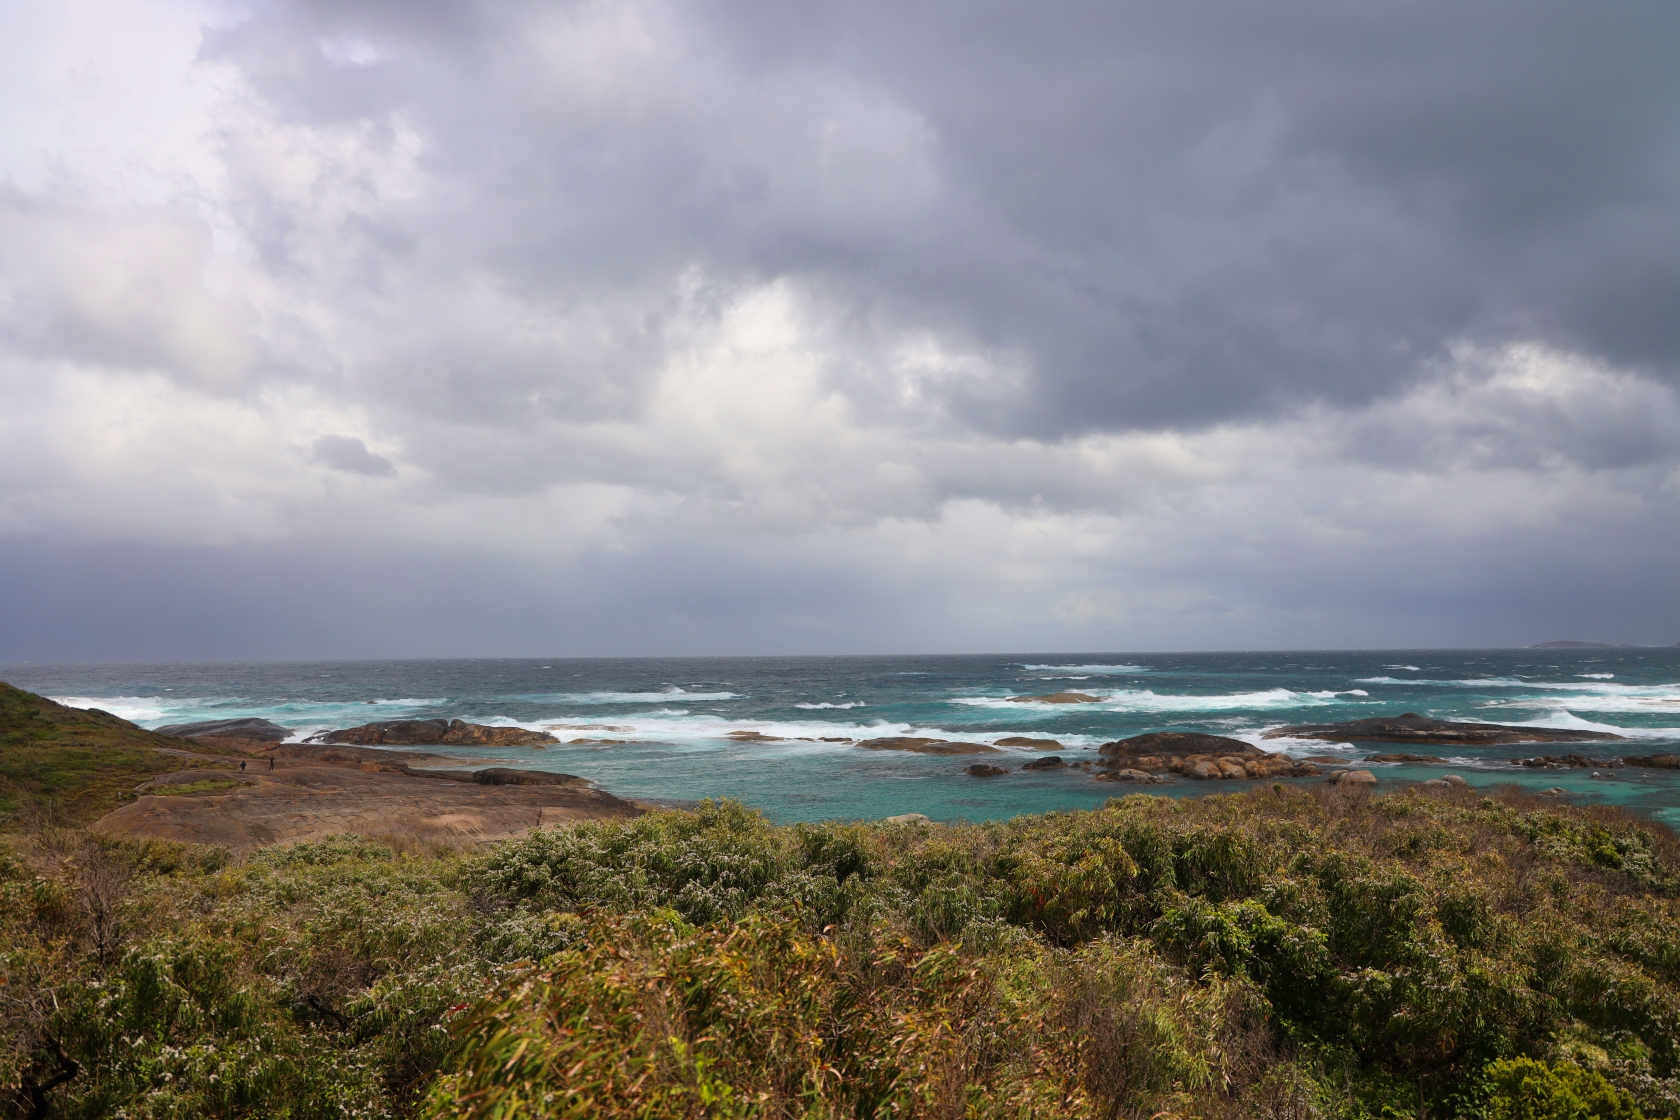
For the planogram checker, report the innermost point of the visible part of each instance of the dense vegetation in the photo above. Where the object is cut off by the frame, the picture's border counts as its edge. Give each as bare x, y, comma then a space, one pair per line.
63, 765
1287, 952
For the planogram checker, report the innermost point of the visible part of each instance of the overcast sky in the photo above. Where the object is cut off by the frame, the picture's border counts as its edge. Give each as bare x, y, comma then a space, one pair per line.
413, 328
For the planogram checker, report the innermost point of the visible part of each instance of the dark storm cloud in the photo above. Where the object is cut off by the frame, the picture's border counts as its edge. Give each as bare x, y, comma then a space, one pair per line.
341, 327
1171, 213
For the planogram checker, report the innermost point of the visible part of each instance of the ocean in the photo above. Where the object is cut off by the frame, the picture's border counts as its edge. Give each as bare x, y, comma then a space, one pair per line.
657, 728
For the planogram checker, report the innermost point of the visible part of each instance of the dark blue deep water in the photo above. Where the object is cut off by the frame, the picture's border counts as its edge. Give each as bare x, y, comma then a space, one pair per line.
656, 727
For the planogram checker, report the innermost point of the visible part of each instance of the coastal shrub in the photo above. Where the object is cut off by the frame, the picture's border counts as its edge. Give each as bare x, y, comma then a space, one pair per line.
1277, 953
708, 865
1526, 1089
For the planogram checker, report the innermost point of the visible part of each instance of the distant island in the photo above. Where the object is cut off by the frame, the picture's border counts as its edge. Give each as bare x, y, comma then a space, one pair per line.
1596, 645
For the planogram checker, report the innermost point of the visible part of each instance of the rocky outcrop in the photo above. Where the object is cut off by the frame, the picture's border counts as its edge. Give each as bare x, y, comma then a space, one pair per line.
1140, 777
1028, 741
310, 795
1353, 778
434, 732
1054, 762
1446, 781
1176, 742
1562, 762
1195, 755
925, 746
1655, 761
1428, 758
244, 730
1413, 728
364, 758
500, 776
984, 770
1058, 698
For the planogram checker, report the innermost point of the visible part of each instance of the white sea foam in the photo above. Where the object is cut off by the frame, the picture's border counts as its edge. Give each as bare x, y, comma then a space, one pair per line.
1569, 721
1107, 670
1147, 700
1357, 692
304, 717
665, 696
142, 709
702, 731
1288, 744
1596, 676
1479, 682
1581, 696
1408, 668
825, 706
1597, 687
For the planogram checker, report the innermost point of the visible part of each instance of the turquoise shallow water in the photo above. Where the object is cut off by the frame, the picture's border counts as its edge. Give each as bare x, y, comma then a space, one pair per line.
657, 727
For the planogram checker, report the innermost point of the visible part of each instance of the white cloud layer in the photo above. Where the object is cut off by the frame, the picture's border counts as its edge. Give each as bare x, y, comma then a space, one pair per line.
644, 327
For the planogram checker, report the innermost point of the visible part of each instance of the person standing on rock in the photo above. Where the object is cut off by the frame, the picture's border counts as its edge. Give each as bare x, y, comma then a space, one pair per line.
242, 766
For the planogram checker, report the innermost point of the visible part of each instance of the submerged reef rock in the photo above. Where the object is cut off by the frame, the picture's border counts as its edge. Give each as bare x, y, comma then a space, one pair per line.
925, 746
425, 732
753, 737
1429, 758
1413, 728
245, 730
1195, 755
984, 770
1028, 741
1058, 698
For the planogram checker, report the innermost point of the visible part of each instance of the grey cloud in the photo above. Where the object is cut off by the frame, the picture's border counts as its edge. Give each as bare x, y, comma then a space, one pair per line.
1176, 213
347, 453
713, 326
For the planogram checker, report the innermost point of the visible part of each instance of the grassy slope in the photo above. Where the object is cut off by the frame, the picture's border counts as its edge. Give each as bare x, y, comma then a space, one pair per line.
1294, 952
74, 763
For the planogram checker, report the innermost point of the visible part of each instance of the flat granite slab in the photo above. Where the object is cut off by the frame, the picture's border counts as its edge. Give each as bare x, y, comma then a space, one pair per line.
310, 798
1412, 728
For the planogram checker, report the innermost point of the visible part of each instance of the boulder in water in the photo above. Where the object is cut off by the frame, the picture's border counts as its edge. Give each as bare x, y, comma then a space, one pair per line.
925, 746
1058, 698
1054, 762
1183, 743
1028, 741
1127, 774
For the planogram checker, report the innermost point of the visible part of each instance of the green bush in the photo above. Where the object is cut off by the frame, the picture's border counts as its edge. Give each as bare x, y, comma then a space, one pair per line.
1273, 954
1525, 1089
